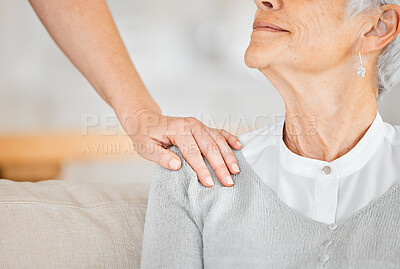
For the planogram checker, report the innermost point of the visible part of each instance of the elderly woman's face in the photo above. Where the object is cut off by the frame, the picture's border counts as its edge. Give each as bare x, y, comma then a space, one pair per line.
315, 35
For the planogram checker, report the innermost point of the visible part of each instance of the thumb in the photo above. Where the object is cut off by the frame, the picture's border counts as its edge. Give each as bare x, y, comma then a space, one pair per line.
161, 156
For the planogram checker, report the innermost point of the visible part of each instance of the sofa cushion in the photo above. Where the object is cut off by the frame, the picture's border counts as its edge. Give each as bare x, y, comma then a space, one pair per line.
66, 224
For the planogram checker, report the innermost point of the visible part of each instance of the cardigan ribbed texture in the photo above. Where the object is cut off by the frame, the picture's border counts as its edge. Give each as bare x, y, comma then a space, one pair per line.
248, 226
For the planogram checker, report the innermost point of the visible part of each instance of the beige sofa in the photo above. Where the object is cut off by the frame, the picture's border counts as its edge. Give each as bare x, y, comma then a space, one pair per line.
67, 224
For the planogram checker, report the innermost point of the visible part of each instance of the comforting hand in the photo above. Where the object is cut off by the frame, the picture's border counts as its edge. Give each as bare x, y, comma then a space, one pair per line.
152, 134
86, 33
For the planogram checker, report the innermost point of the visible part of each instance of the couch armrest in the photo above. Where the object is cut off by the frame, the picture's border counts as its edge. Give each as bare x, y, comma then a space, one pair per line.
65, 224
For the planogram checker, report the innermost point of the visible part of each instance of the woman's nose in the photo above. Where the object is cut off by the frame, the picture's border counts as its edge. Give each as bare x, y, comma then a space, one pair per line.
270, 4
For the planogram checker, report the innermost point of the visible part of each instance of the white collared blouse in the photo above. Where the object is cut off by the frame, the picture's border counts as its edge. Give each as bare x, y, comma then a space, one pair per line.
326, 191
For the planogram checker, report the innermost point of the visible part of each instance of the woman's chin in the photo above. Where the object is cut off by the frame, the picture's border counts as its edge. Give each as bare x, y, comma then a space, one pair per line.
254, 59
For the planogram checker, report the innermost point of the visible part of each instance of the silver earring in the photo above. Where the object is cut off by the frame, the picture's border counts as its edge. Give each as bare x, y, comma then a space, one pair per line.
361, 69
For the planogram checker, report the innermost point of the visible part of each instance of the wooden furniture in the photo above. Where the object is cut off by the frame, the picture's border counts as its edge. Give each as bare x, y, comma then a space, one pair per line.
39, 156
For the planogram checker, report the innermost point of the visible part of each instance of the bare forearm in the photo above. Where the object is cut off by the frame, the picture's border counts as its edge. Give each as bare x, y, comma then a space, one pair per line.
86, 33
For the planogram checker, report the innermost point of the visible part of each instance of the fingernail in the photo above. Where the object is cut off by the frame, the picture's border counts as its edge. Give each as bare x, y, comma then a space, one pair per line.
229, 181
209, 181
235, 167
174, 164
239, 144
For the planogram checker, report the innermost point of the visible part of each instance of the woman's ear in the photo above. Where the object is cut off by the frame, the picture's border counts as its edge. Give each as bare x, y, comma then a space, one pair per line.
386, 28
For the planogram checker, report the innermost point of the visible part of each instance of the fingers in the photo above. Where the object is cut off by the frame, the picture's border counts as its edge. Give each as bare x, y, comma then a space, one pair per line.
224, 148
194, 140
192, 154
233, 141
212, 153
154, 152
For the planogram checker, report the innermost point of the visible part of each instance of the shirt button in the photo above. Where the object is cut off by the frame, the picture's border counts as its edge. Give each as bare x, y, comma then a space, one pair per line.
326, 170
327, 243
332, 226
323, 258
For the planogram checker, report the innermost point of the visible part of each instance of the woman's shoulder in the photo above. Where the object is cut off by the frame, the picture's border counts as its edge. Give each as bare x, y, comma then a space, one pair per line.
182, 189
184, 182
182, 177
186, 176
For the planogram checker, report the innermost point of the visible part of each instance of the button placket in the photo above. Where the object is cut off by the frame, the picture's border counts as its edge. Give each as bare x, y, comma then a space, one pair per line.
326, 190
324, 257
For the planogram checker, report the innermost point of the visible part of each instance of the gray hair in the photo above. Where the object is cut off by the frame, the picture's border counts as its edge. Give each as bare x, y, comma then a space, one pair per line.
389, 61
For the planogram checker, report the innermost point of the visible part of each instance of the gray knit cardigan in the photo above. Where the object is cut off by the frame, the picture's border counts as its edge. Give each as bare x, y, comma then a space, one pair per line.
247, 226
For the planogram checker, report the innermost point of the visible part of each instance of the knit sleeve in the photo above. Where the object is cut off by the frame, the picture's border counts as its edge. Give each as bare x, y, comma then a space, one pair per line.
171, 237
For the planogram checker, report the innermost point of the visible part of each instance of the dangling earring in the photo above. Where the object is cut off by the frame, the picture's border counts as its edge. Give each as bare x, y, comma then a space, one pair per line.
361, 69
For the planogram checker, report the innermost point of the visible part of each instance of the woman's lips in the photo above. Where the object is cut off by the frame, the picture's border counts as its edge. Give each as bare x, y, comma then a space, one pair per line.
258, 25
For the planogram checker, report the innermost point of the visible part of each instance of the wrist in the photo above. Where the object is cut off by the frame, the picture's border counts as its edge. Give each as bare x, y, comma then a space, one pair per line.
131, 117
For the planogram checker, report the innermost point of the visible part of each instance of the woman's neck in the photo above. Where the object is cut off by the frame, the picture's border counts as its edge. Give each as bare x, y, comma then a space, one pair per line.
326, 130
326, 113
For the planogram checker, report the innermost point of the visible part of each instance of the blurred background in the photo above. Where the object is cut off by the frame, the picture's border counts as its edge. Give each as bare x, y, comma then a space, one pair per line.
190, 56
